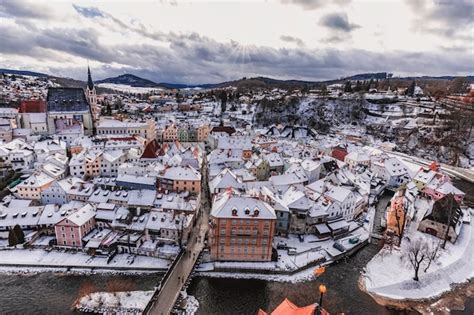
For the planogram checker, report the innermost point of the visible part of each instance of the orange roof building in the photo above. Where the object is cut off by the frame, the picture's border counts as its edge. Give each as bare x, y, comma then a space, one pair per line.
288, 308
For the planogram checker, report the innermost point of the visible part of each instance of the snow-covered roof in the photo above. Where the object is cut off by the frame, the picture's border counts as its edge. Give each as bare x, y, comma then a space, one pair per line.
225, 179
230, 206
181, 173
448, 188
144, 197
82, 215
338, 193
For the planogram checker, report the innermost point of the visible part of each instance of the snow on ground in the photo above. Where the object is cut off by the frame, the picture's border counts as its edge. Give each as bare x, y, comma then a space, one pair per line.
192, 305
390, 275
41, 258
300, 276
127, 302
127, 88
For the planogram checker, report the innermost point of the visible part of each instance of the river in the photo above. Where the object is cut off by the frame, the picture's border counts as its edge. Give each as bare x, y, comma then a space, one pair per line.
54, 293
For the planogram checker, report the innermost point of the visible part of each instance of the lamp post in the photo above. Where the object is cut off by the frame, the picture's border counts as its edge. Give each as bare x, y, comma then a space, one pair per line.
322, 290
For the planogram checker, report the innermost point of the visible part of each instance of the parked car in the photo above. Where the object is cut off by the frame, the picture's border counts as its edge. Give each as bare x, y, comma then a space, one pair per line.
339, 247
354, 240
292, 251
282, 245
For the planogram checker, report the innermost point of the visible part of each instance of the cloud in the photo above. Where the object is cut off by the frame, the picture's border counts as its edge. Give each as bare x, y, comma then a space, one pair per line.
306, 4
315, 4
190, 57
193, 58
448, 19
88, 12
23, 9
292, 39
338, 22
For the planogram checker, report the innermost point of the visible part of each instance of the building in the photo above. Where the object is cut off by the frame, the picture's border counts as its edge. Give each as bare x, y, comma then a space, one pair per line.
32, 115
396, 214
32, 187
92, 96
435, 221
355, 159
170, 133
179, 178
71, 230
112, 127
288, 308
392, 171
242, 228
68, 112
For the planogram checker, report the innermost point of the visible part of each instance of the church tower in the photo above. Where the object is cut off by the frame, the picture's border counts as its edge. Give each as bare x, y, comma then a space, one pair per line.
92, 96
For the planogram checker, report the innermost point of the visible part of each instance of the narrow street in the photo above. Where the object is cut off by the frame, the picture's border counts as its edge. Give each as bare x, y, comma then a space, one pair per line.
163, 303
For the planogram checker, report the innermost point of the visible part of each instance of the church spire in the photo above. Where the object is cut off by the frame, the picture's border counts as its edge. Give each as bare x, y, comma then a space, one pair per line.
90, 84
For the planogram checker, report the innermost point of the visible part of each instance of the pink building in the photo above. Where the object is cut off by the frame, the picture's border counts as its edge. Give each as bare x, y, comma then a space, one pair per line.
438, 190
71, 230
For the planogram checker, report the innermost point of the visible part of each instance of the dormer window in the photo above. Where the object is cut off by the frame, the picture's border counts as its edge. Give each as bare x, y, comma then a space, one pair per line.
234, 212
247, 211
256, 212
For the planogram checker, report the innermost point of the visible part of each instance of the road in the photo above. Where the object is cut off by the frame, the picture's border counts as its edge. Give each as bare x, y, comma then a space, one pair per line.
455, 171
166, 298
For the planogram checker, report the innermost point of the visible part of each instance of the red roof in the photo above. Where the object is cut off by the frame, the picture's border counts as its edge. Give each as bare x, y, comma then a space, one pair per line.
288, 308
227, 129
33, 106
151, 150
339, 153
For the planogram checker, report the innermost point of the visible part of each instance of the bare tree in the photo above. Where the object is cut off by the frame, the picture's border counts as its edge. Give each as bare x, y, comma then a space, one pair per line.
421, 254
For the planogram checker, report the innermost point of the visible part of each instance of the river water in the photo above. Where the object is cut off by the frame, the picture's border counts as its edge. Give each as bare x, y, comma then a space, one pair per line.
53, 293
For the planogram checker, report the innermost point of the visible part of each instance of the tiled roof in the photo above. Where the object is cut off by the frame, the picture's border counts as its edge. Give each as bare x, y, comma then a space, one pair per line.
66, 100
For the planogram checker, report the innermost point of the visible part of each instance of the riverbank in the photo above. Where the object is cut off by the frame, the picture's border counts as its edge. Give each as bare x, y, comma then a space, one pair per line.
39, 260
303, 273
445, 285
452, 266
310, 252
445, 303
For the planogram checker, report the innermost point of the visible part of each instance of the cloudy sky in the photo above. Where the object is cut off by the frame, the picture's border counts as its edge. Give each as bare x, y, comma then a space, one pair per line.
212, 41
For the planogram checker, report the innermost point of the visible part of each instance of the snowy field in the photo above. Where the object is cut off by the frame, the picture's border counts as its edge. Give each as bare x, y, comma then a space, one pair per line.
390, 275
37, 258
128, 88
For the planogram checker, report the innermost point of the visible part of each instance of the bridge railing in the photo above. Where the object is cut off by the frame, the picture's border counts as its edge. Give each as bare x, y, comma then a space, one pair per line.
163, 282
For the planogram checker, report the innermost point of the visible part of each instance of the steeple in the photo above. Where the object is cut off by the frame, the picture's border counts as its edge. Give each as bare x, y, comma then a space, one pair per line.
90, 84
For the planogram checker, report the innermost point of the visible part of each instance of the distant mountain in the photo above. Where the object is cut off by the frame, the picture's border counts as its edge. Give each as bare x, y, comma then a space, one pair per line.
368, 76
255, 82
129, 79
23, 72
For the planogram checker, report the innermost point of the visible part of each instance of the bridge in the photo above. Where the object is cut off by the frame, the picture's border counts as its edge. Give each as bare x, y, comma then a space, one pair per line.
166, 293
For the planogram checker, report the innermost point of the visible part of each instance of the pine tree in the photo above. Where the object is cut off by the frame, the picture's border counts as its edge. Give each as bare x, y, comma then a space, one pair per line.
223, 97
12, 239
20, 236
348, 87
411, 89
358, 86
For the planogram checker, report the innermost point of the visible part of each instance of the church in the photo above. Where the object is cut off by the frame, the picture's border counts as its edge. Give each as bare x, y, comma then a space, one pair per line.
71, 112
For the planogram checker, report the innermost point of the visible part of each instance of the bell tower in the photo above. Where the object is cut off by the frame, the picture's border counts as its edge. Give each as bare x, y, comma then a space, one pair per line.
91, 95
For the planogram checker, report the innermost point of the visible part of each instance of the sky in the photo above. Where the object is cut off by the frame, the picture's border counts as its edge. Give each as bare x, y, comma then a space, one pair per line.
199, 41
